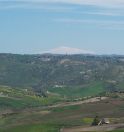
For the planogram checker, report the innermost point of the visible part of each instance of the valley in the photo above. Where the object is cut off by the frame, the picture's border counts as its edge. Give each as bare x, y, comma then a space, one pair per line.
58, 93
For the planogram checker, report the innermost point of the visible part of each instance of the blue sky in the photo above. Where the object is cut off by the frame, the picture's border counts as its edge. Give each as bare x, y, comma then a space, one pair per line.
35, 26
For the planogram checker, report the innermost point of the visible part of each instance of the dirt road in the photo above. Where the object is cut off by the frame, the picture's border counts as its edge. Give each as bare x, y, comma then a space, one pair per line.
95, 128
91, 100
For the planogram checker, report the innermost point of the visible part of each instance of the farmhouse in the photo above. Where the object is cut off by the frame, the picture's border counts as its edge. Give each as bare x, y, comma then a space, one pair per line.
98, 122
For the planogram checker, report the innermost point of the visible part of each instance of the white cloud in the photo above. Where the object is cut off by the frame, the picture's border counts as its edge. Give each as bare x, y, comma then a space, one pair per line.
109, 24
103, 13
89, 21
109, 3
68, 50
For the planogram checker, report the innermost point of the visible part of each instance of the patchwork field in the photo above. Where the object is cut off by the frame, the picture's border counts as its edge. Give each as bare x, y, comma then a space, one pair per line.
39, 119
21, 110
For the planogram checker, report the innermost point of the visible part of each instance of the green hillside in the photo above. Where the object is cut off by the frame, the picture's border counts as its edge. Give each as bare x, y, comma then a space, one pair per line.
63, 74
92, 89
14, 98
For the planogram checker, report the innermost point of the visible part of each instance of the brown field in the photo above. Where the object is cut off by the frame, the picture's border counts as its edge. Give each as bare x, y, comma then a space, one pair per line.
67, 116
93, 128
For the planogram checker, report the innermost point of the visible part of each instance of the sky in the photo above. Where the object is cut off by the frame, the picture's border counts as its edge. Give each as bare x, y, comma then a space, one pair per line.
38, 26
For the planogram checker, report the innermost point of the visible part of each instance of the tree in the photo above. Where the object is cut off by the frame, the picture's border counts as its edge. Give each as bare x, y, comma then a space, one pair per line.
96, 121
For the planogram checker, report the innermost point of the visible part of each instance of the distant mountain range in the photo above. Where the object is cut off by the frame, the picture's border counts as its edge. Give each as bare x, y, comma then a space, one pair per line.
68, 50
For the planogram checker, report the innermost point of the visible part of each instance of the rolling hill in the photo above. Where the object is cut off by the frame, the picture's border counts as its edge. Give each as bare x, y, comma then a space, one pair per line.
69, 75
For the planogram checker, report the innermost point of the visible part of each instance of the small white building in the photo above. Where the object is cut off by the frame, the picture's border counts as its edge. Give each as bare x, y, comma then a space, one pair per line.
104, 121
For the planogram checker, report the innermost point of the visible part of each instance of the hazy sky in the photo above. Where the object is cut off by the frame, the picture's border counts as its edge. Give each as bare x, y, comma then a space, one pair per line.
34, 26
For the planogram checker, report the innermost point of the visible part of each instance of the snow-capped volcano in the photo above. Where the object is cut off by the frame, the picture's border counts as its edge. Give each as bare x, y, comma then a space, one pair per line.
68, 50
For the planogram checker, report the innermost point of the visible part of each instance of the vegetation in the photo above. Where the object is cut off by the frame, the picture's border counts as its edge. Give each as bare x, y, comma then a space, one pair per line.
96, 121
18, 99
92, 89
31, 84
87, 121
63, 73
34, 128
118, 130
52, 119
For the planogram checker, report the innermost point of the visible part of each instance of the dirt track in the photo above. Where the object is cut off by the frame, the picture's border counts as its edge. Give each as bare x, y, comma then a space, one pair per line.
91, 100
95, 128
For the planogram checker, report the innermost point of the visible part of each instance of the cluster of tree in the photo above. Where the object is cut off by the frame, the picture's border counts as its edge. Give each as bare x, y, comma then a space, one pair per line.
31, 70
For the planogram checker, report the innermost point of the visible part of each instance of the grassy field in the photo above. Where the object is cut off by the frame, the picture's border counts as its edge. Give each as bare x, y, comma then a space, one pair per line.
21, 110
52, 119
83, 91
34, 128
122, 130
19, 99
